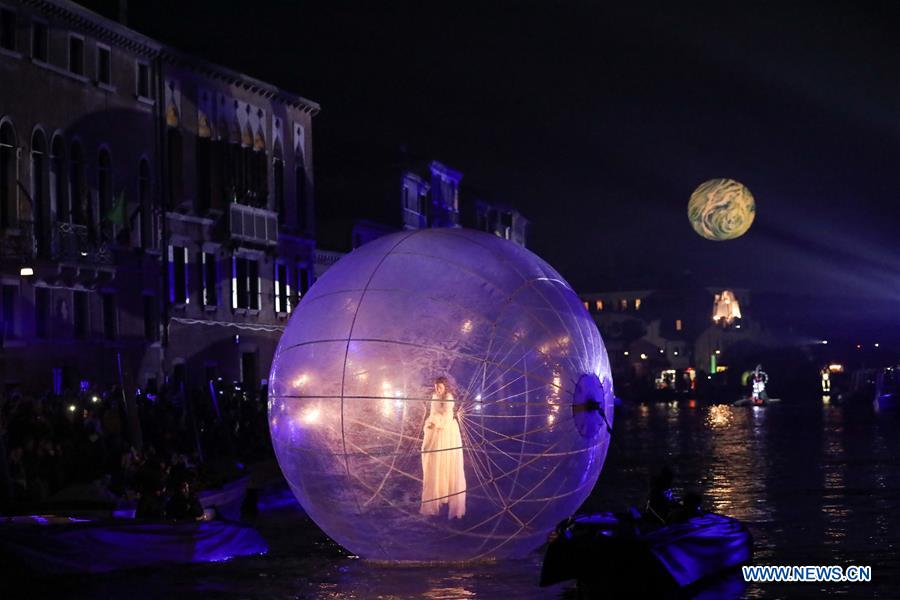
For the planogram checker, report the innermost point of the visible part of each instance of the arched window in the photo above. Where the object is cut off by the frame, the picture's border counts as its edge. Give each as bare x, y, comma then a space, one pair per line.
204, 175
145, 201
39, 191
105, 194
78, 196
246, 175
234, 173
300, 182
59, 189
218, 149
176, 167
260, 166
8, 208
278, 188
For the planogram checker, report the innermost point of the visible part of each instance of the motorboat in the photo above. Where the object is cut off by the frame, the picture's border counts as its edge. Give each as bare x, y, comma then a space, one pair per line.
887, 388
748, 401
609, 554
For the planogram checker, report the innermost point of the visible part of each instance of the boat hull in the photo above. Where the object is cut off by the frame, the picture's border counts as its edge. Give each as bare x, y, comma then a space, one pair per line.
602, 552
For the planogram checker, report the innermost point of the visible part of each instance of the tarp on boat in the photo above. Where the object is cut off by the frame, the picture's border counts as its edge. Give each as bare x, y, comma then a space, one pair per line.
700, 546
605, 548
49, 546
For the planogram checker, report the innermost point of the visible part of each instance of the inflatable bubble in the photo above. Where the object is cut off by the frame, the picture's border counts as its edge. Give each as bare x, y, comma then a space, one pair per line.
440, 395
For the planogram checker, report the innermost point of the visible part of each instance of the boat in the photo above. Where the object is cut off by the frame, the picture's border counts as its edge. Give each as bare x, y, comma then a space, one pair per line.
606, 553
48, 544
674, 384
748, 401
887, 388
225, 501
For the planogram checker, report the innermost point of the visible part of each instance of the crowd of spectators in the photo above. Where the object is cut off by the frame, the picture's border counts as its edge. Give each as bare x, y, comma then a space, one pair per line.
152, 449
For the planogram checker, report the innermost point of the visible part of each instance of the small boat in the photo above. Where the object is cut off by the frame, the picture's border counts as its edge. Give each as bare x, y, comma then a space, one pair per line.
887, 388
59, 545
747, 401
609, 554
225, 501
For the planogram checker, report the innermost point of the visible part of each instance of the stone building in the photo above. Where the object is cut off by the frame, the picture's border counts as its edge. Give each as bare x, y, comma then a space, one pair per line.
156, 210
405, 192
651, 332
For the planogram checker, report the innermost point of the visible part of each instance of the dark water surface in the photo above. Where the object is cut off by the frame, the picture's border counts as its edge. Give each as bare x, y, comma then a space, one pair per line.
817, 483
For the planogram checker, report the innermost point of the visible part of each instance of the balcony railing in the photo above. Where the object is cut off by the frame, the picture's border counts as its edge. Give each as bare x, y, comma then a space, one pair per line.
413, 219
18, 242
74, 243
250, 224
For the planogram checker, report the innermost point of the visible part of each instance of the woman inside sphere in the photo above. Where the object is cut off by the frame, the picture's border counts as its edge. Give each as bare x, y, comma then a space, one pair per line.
443, 476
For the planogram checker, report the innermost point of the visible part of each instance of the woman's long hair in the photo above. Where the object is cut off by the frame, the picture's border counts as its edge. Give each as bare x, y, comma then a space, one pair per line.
448, 388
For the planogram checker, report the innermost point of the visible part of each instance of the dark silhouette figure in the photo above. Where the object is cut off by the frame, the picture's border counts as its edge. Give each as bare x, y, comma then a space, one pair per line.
184, 505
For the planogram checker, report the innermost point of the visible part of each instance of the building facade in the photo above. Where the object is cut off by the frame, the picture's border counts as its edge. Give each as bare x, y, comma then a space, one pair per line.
417, 194
691, 329
157, 210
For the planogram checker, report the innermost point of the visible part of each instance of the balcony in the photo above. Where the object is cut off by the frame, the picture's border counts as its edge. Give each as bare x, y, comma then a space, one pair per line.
18, 242
73, 243
254, 225
413, 219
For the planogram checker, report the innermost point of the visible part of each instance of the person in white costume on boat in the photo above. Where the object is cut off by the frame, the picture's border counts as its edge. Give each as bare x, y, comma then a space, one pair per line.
443, 475
758, 381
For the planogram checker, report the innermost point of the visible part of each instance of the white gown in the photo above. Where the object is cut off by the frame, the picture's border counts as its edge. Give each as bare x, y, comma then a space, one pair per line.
443, 475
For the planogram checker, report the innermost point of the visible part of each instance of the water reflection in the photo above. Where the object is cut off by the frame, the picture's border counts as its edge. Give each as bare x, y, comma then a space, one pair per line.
719, 415
834, 469
816, 483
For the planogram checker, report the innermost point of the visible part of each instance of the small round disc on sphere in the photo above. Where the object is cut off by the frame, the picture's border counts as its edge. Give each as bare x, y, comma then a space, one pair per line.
425, 404
721, 209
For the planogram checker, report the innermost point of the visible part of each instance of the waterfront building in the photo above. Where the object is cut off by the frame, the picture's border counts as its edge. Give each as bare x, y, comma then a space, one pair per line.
649, 332
156, 210
407, 193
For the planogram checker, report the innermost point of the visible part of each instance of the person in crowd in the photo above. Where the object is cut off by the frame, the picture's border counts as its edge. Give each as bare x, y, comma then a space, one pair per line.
184, 504
52, 441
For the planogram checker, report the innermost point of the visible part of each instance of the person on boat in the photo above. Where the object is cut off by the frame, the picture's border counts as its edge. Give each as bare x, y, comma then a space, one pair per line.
758, 381
661, 501
662, 504
826, 380
443, 473
689, 508
152, 488
184, 504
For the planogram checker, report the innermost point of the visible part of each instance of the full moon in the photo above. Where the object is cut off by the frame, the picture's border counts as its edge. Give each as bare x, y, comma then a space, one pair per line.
721, 209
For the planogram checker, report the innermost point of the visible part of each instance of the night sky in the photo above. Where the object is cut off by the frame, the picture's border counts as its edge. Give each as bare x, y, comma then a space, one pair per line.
597, 122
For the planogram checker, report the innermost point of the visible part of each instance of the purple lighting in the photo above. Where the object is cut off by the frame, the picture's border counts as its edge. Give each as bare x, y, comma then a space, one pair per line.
423, 401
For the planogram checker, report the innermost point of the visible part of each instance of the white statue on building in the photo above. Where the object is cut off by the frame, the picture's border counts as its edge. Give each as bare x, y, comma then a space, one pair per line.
726, 308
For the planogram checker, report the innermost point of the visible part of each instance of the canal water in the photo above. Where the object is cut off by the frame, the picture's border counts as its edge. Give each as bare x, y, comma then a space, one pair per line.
817, 482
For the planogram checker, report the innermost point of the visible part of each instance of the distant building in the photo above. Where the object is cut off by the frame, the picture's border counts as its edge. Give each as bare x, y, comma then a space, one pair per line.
647, 332
153, 207
412, 194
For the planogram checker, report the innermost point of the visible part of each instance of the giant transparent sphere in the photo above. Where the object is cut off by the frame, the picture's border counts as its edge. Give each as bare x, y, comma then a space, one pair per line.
440, 395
